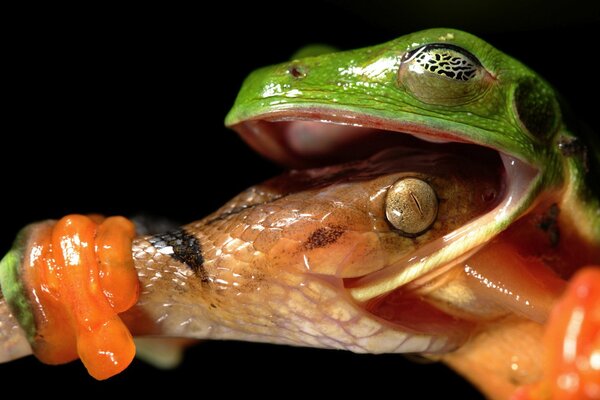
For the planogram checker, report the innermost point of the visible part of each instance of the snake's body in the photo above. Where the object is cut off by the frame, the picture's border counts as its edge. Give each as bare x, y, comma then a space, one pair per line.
270, 264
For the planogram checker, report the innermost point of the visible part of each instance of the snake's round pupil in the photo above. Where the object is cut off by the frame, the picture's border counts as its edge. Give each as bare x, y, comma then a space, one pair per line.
411, 206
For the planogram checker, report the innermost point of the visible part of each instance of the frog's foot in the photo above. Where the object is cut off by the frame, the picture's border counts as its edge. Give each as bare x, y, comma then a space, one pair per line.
80, 275
572, 344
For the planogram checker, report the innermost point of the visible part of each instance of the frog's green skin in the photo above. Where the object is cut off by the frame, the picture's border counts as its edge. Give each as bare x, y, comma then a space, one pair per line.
365, 83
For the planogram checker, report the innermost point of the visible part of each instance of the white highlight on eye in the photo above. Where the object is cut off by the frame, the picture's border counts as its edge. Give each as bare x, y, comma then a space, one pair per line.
396, 213
416, 68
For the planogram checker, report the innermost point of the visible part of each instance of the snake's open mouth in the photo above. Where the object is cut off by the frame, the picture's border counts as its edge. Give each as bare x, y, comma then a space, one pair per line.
315, 138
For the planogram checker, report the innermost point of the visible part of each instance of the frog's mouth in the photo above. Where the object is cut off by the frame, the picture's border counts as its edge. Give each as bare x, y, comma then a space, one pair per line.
312, 138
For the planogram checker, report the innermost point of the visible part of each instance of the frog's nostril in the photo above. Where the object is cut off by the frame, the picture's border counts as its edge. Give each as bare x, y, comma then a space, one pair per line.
297, 71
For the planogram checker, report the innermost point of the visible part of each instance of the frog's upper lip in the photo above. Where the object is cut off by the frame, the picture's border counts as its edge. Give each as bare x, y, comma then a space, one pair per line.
270, 134
275, 134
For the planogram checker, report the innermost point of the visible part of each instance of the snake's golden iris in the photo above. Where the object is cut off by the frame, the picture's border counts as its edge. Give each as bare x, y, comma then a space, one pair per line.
411, 206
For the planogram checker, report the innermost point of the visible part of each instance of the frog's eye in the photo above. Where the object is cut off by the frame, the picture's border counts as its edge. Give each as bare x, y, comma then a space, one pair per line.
443, 74
411, 206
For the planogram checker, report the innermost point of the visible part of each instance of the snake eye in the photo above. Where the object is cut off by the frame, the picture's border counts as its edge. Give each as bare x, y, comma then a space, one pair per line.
411, 206
443, 74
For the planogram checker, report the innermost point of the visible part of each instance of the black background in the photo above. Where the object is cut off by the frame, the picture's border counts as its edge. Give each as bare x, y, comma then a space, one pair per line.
117, 110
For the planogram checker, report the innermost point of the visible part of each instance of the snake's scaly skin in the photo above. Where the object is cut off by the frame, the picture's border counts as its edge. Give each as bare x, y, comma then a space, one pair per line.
270, 265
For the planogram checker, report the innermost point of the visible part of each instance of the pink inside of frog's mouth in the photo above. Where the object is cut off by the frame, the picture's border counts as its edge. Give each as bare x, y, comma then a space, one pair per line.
312, 138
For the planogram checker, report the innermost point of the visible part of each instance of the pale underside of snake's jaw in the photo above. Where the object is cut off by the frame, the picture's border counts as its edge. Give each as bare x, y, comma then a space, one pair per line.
305, 260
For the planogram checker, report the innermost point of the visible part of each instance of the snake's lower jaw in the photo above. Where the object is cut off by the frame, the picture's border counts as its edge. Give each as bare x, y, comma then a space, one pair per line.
294, 309
290, 308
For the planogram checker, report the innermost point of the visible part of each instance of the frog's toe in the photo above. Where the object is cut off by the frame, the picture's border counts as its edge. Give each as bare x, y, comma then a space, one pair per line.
572, 342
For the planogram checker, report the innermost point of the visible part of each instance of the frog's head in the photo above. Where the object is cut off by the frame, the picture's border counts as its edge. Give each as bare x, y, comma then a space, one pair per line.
438, 85
432, 90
